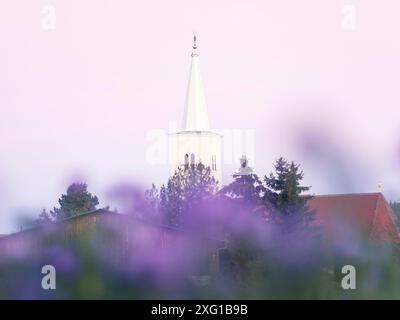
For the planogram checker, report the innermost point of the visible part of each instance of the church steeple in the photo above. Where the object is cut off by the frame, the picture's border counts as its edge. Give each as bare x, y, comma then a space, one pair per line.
195, 117
195, 142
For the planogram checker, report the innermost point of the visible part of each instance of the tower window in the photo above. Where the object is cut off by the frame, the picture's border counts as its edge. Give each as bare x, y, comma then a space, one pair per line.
192, 161
186, 161
214, 163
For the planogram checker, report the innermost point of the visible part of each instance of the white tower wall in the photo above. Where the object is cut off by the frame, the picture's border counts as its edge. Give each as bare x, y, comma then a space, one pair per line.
196, 141
204, 146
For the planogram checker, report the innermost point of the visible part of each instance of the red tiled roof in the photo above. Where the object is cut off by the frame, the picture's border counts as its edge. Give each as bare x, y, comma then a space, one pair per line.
369, 213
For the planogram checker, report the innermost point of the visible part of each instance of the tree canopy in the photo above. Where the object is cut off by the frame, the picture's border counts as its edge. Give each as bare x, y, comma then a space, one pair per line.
396, 209
184, 191
283, 190
76, 201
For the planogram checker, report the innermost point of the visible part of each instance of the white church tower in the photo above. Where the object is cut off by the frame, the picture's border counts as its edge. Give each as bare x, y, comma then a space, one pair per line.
195, 142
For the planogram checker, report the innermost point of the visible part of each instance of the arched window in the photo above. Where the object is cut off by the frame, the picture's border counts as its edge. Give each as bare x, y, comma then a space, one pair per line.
192, 161
186, 161
214, 163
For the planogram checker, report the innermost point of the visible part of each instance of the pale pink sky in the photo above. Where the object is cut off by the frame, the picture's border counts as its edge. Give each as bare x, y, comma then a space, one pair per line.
76, 102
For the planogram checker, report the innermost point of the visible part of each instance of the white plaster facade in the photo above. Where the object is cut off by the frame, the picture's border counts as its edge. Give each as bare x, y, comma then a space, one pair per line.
196, 142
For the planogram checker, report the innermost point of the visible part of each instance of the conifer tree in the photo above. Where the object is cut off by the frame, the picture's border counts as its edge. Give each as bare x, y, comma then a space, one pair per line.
76, 201
246, 190
152, 197
396, 210
285, 194
184, 192
44, 217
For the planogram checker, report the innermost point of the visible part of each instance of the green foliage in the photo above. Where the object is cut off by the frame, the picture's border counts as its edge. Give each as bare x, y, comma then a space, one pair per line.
281, 198
152, 197
286, 195
245, 189
283, 205
44, 218
185, 190
77, 201
395, 205
396, 209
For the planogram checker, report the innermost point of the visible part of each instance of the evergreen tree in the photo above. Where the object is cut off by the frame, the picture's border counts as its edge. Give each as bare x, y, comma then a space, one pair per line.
285, 194
152, 197
246, 190
184, 192
77, 201
396, 210
44, 217
285, 209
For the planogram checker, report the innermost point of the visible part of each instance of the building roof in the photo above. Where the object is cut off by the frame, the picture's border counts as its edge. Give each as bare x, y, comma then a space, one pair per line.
102, 212
369, 213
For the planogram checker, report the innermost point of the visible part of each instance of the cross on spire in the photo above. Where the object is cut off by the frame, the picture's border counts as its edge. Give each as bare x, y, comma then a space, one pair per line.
194, 41
380, 187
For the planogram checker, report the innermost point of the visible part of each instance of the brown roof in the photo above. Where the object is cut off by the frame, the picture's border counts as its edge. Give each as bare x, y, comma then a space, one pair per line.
369, 213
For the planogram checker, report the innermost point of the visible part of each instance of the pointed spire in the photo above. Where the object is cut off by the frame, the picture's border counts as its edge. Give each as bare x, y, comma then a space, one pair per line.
195, 116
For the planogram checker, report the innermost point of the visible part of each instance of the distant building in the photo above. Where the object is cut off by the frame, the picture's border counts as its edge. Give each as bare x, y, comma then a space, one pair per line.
345, 215
367, 213
116, 236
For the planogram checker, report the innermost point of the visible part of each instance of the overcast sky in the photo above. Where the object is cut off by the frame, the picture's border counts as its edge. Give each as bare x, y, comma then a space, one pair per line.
317, 81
